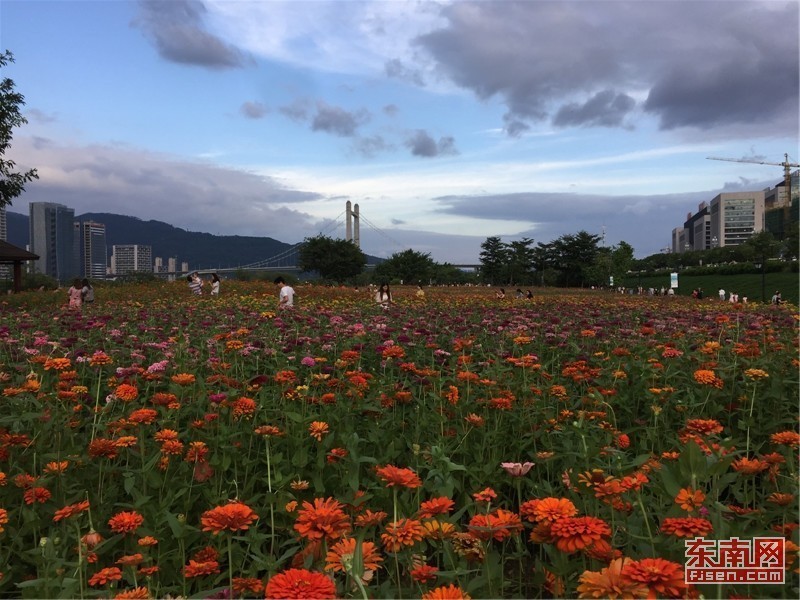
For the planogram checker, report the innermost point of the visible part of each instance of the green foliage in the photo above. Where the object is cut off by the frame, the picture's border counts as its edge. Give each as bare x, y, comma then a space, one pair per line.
12, 183
335, 260
407, 266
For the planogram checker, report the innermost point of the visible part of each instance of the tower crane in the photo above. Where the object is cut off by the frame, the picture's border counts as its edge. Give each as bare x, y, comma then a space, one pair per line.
787, 179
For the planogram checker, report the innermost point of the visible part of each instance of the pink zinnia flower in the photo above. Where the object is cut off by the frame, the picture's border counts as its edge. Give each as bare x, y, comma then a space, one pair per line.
517, 469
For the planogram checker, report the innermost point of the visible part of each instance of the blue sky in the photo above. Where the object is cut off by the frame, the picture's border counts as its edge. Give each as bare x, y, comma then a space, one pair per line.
447, 122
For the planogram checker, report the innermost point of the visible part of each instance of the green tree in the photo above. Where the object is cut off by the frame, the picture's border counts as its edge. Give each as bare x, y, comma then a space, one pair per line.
762, 246
574, 255
407, 266
494, 259
12, 183
336, 260
521, 257
621, 260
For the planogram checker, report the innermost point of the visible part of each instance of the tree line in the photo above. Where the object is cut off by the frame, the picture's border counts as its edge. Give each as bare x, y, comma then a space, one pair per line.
572, 260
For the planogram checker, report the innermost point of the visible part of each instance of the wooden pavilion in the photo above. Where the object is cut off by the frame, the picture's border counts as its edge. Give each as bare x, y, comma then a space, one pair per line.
14, 255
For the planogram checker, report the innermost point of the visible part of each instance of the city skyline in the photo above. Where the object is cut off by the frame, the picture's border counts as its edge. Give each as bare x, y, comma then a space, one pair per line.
247, 118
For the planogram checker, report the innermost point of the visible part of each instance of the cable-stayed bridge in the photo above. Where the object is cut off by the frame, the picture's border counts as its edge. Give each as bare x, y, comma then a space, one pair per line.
349, 220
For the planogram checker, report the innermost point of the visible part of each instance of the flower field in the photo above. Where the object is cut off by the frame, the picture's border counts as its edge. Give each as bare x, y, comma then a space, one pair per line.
160, 445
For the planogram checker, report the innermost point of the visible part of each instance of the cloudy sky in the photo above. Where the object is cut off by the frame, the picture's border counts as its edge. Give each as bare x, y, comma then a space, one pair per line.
447, 121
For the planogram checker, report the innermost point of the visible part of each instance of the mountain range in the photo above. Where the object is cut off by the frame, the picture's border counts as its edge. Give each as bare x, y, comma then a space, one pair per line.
200, 250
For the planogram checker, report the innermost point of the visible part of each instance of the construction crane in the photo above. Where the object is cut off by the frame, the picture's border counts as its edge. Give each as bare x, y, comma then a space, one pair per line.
787, 179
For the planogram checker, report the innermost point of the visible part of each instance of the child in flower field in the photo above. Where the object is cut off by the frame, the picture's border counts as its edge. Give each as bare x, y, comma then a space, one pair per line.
75, 294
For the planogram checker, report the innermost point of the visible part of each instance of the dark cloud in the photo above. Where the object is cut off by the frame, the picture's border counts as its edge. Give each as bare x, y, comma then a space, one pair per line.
195, 195
38, 116
338, 121
254, 110
371, 146
397, 70
700, 64
422, 144
297, 110
391, 110
605, 109
176, 29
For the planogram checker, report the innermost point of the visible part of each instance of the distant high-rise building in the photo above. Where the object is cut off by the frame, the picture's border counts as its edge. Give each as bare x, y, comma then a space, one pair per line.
91, 238
52, 237
736, 216
184, 267
126, 258
158, 265
172, 264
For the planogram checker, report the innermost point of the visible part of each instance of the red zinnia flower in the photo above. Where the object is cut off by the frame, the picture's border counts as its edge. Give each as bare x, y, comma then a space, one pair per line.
400, 477
37, 494
234, 516
575, 533
610, 583
300, 584
435, 506
405, 532
71, 510
126, 522
244, 585
448, 592
424, 573
137, 593
324, 519
547, 510
200, 568
663, 577
105, 576
688, 527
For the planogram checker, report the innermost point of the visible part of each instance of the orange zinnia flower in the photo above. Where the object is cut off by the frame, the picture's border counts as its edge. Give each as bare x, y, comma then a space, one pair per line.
324, 519
317, 429
3, 518
57, 364
689, 499
485, 495
125, 522
781, 499
424, 573
435, 506
610, 583
183, 379
341, 556
300, 584
703, 426
446, 592
71, 510
707, 377
56, 468
137, 593
245, 585
749, 466
661, 576
145, 416
500, 524
687, 527
104, 576
405, 532
438, 530
130, 560
37, 494
235, 516
400, 477
786, 438
101, 447
369, 518
197, 568
575, 533
126, 392
547, 510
